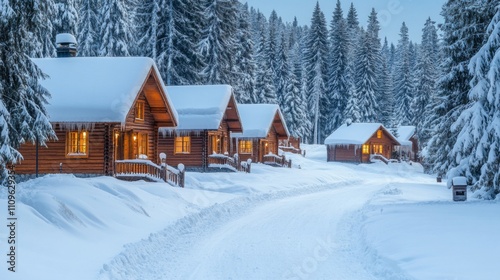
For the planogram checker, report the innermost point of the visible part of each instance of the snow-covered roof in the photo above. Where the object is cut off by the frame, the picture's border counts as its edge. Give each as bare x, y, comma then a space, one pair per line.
405, 132
355, 134
257, 120
95, 89
201, 106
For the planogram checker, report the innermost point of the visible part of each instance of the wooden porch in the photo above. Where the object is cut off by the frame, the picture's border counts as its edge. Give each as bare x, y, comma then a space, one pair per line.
231, 163
276, 160
137, 169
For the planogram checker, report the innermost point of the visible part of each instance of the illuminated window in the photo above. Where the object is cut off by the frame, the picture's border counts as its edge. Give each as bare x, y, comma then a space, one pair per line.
378, 149
366, 149
77, 144
379, 133
139, 110
245, 146
183, 145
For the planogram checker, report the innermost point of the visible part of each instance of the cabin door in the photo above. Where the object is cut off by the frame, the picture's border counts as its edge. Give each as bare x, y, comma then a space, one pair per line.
216, 143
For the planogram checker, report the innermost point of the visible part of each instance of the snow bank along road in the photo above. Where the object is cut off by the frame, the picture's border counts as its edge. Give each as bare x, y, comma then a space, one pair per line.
307, 233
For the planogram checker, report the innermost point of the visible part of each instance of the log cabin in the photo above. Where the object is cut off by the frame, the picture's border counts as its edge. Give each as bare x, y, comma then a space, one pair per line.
407, 137
360, 143
264, 126
103, 109
207, 116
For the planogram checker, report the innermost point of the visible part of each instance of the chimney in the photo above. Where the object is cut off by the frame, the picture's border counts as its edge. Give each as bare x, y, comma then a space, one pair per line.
65, 45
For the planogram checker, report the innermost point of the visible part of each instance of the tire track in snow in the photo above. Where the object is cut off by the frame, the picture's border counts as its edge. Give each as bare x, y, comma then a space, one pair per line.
152, 257
167, 253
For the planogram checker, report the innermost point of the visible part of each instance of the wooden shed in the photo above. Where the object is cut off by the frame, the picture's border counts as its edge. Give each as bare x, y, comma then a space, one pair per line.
360, 142
103, 109
207, 116
264, 126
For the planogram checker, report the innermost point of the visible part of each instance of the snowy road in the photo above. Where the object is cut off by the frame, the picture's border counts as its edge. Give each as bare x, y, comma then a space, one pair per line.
299, 236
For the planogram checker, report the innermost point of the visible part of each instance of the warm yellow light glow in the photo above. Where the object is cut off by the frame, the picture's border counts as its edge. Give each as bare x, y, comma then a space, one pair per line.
135, 137
84, 134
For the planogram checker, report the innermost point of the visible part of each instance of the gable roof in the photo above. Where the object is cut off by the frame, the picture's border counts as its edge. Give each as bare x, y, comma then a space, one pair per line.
101, 89
203, 107
405, 132
258, 119
355, 134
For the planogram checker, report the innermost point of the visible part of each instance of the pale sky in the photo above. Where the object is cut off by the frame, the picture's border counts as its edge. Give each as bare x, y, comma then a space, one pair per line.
391, 13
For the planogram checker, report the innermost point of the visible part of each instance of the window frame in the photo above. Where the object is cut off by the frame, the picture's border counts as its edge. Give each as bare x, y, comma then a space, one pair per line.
245, 147
185, 145
365, 149
73, 146
140, 107
379, 134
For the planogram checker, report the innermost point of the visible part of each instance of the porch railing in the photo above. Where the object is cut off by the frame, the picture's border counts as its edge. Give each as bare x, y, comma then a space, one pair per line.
231, 163
276, 160
146, 169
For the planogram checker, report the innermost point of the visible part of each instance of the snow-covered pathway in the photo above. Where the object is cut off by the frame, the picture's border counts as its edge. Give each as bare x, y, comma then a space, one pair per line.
274, 236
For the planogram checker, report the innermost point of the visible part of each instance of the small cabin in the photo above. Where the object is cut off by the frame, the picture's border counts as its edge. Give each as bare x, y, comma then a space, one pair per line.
264, 126
407, 137
207, 116
103, 109
360, 143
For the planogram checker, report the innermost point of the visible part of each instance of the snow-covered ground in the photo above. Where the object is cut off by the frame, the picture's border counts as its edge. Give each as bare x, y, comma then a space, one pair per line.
322, 221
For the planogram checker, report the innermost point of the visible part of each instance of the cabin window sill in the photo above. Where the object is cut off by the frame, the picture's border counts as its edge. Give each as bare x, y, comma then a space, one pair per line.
76, 155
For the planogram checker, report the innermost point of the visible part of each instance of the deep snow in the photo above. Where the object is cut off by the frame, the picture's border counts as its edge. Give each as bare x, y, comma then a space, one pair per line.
322, 221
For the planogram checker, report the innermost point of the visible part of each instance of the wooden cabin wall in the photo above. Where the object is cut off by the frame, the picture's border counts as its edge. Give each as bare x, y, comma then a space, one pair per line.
244, 157
146, 126
99, 160
348, 153
199, 146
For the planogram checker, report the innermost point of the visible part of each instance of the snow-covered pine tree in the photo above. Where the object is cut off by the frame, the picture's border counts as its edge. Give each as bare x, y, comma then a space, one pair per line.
353, 33
22, 113
386, 102
272, 47
476, 151
245, 64
403, 82
338, 70
147, 20
41, 40
66, 17
117, 29
352, 109
178, 34
463, 34
374, 49
425, 86
283, 74
316, 65
365, 78
264, 85
88, 28
295, 107
218, 41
